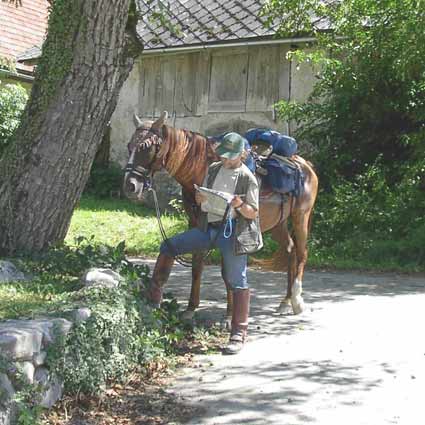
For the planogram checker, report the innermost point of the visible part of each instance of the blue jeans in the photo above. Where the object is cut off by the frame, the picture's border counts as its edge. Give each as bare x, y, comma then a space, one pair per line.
195, 240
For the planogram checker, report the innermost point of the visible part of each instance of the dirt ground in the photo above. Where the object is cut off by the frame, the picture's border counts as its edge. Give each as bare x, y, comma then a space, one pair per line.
356, 356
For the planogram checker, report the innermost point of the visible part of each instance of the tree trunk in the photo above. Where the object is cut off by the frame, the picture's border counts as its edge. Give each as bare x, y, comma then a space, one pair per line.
87, 56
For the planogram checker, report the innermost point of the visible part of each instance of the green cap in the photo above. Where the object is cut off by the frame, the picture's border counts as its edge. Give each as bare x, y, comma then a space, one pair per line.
232, 146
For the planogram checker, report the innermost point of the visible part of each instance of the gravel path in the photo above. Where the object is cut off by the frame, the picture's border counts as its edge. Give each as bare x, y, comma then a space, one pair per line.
356, 356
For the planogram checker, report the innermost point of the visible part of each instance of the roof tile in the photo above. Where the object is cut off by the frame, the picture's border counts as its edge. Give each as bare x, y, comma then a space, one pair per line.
193, 22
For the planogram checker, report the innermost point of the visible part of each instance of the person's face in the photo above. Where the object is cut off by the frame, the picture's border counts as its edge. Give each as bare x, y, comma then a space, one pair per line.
231, 163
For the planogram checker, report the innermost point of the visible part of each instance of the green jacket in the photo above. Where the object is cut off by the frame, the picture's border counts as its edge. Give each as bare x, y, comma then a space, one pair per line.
248, 237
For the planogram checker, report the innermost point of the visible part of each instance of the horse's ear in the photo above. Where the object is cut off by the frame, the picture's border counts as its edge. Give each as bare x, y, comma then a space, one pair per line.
160, 121
137, 121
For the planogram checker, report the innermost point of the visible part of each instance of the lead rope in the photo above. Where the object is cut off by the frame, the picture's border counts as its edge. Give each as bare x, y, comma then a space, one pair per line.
181, 260
229, 225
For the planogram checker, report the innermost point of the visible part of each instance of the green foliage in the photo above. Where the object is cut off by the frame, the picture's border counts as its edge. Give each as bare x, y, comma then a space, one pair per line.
65, 22
370, 96
7, 63
27, 395
365, 122
104, 181
122, 333
12, 103
367, 223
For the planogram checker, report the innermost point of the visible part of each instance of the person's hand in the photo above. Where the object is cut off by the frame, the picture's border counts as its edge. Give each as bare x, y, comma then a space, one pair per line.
236, 201
200, 197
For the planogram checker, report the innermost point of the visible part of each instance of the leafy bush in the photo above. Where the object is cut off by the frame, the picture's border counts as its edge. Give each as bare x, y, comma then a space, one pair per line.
368, 222
104, 181
369, 99
365, 122
12, 102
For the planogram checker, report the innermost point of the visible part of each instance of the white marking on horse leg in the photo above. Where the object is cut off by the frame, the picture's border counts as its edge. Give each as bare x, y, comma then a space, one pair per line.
296, 298
130, 162
187, 315
284, 306
226, 322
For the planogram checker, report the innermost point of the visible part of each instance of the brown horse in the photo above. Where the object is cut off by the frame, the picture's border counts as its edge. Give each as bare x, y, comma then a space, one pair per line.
186, 155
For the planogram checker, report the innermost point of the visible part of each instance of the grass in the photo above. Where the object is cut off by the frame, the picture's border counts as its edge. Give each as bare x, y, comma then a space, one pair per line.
110, 221
28, 300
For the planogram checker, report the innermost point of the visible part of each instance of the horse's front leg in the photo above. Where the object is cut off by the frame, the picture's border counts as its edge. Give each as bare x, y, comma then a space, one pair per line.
195, 290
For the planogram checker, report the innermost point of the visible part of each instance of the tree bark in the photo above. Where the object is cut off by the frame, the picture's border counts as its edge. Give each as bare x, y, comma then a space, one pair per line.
88, 53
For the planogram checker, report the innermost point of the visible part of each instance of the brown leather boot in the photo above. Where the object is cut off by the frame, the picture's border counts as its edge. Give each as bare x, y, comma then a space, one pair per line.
240, 315
160, 276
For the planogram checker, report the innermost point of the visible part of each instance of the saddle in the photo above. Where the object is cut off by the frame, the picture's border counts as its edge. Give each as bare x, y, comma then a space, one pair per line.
280, 174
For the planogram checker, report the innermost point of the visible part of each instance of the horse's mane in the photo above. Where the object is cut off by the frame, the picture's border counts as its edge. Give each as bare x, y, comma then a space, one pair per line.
184, 152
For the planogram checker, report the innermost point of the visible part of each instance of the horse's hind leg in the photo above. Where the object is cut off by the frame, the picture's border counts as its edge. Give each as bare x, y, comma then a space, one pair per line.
300, 224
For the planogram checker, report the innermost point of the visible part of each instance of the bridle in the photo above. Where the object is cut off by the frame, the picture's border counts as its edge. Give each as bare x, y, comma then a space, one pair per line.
146, 173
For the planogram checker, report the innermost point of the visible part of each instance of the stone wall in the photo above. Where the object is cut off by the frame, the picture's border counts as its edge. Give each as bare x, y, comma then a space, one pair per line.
24, 345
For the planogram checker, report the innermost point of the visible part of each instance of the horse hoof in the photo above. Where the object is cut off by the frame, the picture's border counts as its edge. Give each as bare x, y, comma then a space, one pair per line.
298, 305
284, 308
187, 316
226, 323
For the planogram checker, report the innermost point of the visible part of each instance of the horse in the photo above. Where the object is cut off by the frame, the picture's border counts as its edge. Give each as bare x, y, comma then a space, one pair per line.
186, 156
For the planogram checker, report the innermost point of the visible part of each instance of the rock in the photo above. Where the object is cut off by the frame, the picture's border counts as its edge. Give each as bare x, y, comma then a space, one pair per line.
81, 315
106, 278
21, 339
19, 343
52, 394
8, 414
61, 326
6, 388
53, 388
28, 369
41, 376
9, 273
8, 411
39, 358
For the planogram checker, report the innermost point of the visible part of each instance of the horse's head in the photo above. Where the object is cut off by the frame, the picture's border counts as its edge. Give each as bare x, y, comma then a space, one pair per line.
143, 159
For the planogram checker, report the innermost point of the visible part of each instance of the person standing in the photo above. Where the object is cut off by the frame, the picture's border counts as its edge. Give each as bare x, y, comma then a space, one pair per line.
235, 238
